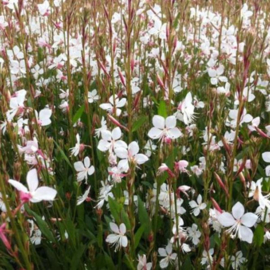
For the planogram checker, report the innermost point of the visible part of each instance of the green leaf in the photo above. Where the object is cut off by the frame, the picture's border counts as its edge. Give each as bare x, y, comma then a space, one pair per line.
138, 235
258, 235
139, 123
115, 209
76, 259
42, 225
143, 216
125, 219
78, 114
63, 155
128, 262
162, 109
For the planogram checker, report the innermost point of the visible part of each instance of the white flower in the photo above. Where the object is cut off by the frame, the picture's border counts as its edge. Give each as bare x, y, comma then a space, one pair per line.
143, 265
103, 127
35, 233
110, 140
130, 154
43, 117
185, 110
207, 257
194, 233
76, 149
197, 207
255, 191
2, 204
169, 257
34, 194
239, 222
114, 105
82, 198
84, 169
237, 260
266, 158
93, 96
44, 8
118, 238
215, 74
164, 128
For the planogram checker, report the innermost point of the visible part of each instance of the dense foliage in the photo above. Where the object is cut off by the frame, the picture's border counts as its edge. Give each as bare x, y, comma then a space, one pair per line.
134, 134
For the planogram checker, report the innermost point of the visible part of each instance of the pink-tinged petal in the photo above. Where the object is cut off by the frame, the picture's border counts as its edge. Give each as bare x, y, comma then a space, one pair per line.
141, 158
18, 185
133, 148
158, 122
121, 152
79, 166
154, 133
122, 228
123, 241
121, 103
170, 122
106, 135
114, 228
174, 255
87, 162
238, 210
32, 180
249, 219
103, 145
226, 219
174, 133
43, 194
266, 156
91, 170
162, 252
116, 133
245, 234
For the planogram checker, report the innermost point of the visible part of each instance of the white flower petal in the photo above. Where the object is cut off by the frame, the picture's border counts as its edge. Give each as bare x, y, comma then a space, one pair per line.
238, 210
141, 158
114, 227
174, 133
133, 148
116, 133
87, 162
18, 185
245, 234
226, 219
154, 133
43, 194
79, 166
32, 180
249, 219
170, 122
266, 156
158, 122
